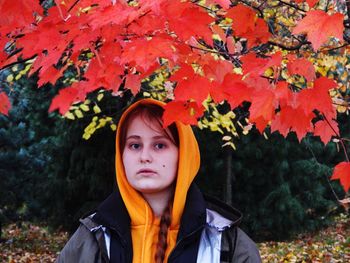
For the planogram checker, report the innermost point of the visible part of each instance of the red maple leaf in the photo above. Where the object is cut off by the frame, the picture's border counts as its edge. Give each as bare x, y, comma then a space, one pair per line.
262, 109
64, 99
292, 119
5, 104
318, 97
145, 52
147, 25
259, 35
243, 19
323, 129
217, 69
284, 95
232, 89
196, 88
50, 75
302, 67
185, 72
319, 26
254, 65
17, 14
133, 82
247, 25
342, 172
182, 16
183, 111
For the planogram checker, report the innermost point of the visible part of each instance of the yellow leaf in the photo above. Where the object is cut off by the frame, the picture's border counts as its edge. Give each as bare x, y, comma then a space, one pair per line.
69, 115
9, 78
84, 107
97, 109
79, 114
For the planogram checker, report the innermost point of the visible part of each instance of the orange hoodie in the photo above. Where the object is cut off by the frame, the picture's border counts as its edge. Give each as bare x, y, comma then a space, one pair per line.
144, 225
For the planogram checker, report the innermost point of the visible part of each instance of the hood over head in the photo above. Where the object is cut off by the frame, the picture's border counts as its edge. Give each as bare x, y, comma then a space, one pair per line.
188, 166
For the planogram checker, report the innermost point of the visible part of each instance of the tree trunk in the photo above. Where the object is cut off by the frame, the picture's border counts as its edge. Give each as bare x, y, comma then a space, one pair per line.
229, 176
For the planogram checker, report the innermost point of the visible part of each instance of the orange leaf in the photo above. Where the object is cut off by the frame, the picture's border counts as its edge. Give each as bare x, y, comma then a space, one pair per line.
319, 26
5, 104
342, 172
185, 112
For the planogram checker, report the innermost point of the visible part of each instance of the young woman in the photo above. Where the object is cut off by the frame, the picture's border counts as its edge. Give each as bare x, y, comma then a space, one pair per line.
158, 214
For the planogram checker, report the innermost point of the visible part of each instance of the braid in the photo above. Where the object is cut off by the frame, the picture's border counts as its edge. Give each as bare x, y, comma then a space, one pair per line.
162, 235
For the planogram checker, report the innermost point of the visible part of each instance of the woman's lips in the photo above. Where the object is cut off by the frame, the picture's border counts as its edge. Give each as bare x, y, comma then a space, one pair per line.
146, 171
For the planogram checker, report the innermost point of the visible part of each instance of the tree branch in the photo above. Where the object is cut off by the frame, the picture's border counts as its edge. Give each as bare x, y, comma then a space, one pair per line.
16, 63
338, 135
289, 48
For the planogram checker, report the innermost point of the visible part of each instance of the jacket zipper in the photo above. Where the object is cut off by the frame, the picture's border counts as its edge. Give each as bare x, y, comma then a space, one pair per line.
182, 240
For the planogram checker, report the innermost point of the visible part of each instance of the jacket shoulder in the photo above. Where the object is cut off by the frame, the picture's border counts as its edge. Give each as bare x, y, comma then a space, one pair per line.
83, 246
243, 249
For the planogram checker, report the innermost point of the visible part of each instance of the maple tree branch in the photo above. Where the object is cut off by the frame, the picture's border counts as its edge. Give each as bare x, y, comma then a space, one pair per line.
17, 62
209, 50
204, 7
289, 48
72, 6
337, 135
335, 48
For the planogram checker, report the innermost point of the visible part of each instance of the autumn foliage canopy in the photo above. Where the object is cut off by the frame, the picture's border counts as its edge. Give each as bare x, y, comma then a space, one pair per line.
269, 53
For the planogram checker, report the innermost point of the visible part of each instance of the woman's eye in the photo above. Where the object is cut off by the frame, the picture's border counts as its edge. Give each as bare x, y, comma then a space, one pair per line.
160, 146
134, 146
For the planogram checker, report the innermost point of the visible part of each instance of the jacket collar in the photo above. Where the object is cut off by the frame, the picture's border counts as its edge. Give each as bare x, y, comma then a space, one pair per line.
113, 214
194, 214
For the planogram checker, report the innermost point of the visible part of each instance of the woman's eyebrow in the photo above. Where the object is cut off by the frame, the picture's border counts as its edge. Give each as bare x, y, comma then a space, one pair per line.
133, 137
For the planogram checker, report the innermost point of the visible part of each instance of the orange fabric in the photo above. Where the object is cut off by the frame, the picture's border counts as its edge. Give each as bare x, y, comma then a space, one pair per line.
144, 225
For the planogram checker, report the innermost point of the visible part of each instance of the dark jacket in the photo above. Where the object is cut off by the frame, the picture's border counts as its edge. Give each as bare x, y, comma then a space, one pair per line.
202, 221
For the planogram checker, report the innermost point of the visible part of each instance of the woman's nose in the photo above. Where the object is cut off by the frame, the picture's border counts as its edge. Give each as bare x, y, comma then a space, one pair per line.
146, 156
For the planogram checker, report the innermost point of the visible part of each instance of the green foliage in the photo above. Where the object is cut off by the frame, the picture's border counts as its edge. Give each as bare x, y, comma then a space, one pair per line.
277, 183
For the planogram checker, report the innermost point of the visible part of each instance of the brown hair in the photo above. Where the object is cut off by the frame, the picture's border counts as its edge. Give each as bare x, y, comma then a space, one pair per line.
163, 234
151, 113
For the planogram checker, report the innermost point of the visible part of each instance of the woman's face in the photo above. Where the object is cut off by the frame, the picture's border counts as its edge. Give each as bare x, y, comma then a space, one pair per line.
150, 157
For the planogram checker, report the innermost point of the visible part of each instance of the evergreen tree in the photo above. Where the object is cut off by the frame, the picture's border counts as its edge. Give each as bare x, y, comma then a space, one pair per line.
277, 183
